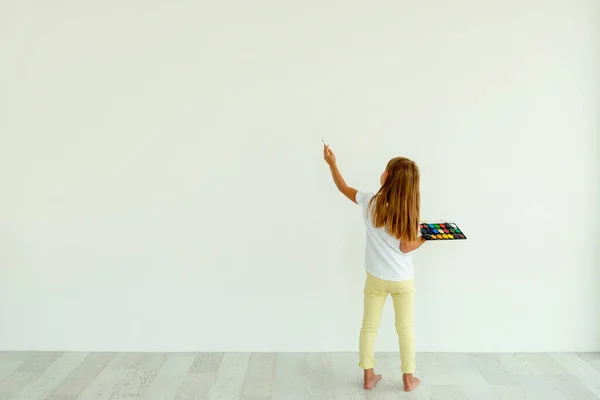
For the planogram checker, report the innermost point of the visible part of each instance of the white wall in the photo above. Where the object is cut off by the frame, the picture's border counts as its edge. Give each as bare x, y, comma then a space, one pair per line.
162, 187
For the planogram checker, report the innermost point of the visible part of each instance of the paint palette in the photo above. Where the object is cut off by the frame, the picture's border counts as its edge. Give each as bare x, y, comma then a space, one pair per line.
441, 231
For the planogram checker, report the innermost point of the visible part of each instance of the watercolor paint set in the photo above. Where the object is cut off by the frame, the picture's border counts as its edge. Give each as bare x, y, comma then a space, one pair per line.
441, 231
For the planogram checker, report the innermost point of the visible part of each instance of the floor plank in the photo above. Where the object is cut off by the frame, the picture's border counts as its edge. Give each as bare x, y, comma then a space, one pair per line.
28, 372
582, 370
169, 378
74, 384
388, 366
511, 392
288, 383
492, 369
39, 362
591, 358
571, 388
195, 386
13, 383
9, 362
207, 363
447, 392
433, 369
347, 379
531, 364
318, 376
230, 377
467, 376
12, 356
258, 381
51, 377
109, 379
141, 371
541, 387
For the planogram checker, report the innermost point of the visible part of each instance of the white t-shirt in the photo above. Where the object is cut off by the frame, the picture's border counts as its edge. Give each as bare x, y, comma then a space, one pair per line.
383, 258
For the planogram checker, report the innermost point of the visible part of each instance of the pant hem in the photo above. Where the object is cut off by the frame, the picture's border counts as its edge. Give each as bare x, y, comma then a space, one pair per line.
366, 366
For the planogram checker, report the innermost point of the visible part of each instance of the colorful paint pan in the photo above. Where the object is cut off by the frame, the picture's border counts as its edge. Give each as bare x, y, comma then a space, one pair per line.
441, 231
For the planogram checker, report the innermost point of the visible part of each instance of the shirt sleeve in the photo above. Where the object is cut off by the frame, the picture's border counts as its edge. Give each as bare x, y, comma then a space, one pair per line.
362, 199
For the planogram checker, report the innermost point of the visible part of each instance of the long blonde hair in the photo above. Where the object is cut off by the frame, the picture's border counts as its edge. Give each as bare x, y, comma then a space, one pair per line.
397, 205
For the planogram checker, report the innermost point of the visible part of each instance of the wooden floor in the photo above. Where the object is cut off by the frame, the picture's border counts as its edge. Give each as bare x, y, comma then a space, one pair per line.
218, 376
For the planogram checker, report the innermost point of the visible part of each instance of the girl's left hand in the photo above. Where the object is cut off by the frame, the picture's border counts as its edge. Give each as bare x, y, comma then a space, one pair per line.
329, 156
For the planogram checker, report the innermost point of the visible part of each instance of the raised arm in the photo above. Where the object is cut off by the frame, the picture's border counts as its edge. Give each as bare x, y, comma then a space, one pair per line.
339, 181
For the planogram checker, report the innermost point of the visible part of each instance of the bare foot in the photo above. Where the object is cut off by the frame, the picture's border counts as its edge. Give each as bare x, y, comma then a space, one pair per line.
372, 381
410, 382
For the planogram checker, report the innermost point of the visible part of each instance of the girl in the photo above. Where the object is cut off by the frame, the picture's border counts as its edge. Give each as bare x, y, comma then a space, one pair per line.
392, 220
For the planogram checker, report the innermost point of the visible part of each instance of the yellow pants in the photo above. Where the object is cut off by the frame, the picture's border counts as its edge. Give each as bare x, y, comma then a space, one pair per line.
376, 292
